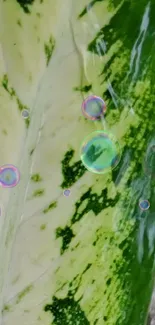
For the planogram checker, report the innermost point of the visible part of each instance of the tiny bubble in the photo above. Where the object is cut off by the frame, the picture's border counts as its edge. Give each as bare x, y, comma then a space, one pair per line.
144, 205
25, 113
66, 192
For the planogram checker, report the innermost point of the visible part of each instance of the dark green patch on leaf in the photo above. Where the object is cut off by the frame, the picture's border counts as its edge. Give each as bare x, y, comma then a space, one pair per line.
67, 235
108, 282
11, 91
93, 202
23, 293
88, 7
27, 122
48, 48
83, 89
87, 268
25, 5
71, 173
20, 105
43, 226
31, 152
4, 132
38, 192
5, 82
36, 178
135, 278
66, 311
113, 32
119, 171
6, 308
50, 207
19, 23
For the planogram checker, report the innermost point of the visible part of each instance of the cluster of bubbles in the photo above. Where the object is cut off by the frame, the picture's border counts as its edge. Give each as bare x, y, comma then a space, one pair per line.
9, 176
100, 151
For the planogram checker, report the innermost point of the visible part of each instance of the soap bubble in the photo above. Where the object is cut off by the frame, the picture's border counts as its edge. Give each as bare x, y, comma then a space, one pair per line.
100, 152
93, 107
144, 205
25, 113
66, 192
9, 176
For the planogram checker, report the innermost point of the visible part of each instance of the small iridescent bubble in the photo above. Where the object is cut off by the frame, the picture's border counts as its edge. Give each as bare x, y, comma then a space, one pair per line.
25, 113
144, 205
93, 107
100, 152
9, 176
67, 192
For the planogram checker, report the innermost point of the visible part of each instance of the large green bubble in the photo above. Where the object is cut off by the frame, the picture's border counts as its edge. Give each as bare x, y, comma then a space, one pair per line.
100, 152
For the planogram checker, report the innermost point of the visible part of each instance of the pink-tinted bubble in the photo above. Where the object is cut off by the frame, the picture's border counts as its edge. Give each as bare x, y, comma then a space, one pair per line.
93, 107
9, 176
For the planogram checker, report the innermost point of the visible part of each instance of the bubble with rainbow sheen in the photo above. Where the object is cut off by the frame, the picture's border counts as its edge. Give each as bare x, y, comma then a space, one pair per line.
93, 107
144, 205
100, 152
9, 176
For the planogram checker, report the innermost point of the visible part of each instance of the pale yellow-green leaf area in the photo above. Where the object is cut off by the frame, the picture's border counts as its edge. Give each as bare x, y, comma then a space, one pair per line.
86, 258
